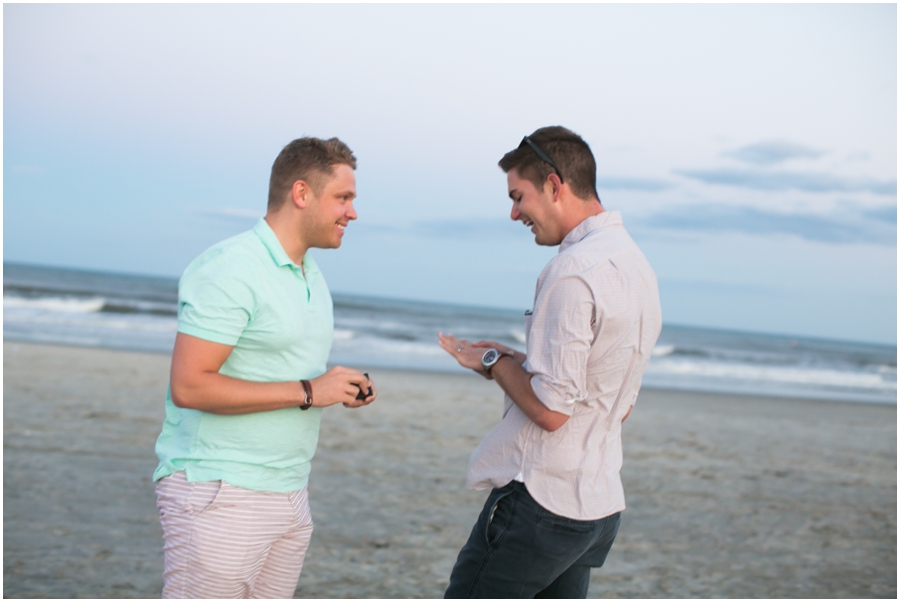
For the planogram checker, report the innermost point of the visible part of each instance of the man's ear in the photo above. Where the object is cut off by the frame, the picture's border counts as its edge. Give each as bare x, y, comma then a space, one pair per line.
555, 186
300, 194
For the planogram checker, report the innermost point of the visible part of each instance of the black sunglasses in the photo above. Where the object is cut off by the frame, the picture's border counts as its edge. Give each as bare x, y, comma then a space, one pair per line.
544, 157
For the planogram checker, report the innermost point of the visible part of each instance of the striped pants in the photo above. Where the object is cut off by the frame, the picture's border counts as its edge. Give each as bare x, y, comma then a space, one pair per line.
223, 541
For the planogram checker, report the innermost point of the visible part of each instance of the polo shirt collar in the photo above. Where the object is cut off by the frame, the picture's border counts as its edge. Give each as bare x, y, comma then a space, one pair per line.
267, 236
591, 224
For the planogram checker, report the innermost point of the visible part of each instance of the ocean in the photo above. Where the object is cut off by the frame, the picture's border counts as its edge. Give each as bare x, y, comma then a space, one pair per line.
121, 311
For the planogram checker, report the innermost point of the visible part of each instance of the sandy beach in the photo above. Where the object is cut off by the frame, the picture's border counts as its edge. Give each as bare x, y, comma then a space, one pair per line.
728, 496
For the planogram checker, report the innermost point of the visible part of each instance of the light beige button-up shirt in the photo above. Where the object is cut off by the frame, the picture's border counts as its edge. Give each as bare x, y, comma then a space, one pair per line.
595, 321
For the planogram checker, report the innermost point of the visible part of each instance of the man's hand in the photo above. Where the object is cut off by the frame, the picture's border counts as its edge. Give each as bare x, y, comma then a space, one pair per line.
358, 403
511, 377
341, 385
468, 355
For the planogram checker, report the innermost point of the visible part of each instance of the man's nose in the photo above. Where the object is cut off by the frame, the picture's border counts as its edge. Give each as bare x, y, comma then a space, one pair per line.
351, 211
514, 215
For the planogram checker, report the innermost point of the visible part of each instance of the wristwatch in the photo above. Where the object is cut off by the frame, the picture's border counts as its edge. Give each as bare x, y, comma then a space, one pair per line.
491, 357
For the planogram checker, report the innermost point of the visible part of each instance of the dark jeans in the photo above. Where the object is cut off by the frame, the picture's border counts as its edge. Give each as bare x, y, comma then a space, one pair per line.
519, 550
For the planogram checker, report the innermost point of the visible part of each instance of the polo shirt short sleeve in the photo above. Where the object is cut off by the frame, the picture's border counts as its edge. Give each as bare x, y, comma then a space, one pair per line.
245, 292
216, 307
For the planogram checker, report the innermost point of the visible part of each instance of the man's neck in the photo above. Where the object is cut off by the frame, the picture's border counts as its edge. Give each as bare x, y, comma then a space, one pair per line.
589, 209
287, 231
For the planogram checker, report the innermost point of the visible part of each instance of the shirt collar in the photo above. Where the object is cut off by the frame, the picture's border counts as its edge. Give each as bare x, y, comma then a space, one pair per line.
267, 236
589, 225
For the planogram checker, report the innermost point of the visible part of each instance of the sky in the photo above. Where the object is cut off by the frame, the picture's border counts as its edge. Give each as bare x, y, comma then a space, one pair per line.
751, 149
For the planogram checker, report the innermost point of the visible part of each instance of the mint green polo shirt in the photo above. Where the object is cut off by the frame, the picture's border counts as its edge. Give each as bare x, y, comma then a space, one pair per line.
247, 293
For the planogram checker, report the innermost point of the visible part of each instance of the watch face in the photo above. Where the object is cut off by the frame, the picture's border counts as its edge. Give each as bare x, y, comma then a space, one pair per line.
490, 357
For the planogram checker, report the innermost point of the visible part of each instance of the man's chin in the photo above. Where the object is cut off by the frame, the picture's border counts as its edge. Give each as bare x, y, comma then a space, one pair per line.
540, 241
331, 244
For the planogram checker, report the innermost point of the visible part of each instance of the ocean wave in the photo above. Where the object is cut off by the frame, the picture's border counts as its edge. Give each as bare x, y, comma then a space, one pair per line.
518, 336
776, 357
127, 311
777, 374
93, 304
53, 304
116, 306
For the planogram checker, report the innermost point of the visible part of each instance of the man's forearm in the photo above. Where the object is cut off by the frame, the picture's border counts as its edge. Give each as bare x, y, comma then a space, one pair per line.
509, 374
197, 384
516, 382
220, 394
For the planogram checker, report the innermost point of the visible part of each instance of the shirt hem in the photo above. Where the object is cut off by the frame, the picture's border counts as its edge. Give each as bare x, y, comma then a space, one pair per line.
208, 476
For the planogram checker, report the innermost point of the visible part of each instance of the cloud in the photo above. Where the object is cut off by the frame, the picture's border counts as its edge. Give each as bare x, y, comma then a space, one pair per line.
884, 214
643, 184
774, 180
847, 227
772, 152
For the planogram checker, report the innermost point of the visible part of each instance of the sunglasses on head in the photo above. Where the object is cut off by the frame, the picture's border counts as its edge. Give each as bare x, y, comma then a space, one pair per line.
544, 157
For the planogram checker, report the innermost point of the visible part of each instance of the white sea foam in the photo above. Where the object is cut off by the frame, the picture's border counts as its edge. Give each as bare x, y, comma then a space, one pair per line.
61, 304
518, 335
661, 350
818, 377
343, 335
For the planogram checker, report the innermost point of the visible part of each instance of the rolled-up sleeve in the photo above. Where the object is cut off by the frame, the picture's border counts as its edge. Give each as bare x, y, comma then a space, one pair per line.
559, 343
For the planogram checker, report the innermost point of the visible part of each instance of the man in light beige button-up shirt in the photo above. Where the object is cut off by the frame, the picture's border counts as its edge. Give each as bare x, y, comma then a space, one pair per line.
553, 461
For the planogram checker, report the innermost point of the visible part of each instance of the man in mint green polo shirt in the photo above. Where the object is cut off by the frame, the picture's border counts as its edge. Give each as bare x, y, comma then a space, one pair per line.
248, 384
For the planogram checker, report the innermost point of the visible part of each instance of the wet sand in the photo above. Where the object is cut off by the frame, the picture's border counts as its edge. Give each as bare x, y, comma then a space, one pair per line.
728, 496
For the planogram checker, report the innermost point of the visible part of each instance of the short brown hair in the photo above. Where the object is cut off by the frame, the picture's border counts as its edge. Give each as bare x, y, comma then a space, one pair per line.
571, 154
309, 159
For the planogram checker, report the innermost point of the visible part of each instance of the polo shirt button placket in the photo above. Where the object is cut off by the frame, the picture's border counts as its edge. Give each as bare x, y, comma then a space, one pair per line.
298, 273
